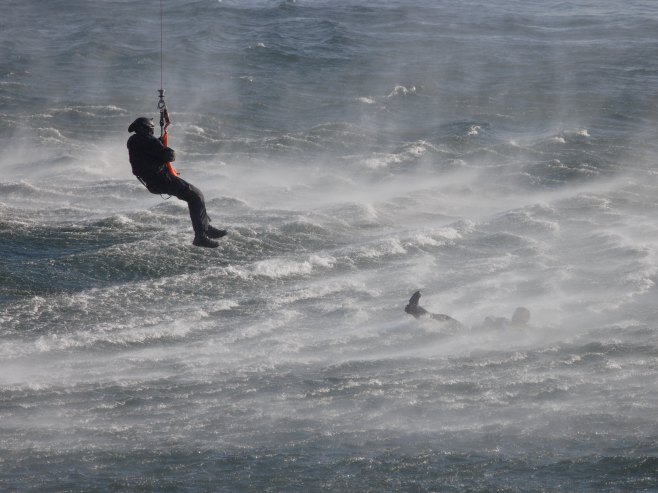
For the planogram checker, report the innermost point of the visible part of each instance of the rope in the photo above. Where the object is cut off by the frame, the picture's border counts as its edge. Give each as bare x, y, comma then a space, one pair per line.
161, 45
162, 106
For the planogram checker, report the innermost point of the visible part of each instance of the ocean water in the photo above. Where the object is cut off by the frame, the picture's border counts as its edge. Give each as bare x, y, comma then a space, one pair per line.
491, 154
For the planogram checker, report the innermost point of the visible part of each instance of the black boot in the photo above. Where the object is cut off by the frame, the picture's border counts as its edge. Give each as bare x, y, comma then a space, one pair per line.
202, 240
213, 232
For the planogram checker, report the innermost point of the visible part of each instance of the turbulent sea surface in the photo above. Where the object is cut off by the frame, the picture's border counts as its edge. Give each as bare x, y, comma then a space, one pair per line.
492, 154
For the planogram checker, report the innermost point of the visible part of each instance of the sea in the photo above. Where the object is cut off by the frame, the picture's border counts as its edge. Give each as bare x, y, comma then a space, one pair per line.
490, 154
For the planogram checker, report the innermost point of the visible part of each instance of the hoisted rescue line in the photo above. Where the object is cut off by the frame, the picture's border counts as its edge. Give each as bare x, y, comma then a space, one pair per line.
164, 125
147, 154
162, 106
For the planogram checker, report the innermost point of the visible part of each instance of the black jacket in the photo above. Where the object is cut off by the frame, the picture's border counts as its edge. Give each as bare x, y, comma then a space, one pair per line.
148, 157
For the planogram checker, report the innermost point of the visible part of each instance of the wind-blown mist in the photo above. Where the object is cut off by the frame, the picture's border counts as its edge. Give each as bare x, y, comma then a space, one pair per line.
491, 154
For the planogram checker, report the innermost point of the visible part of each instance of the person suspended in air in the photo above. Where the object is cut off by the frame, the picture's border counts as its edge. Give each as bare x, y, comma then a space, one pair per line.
149, 159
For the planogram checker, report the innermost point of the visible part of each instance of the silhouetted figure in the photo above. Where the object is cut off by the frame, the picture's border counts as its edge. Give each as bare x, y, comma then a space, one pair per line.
149, 158
519, 320
417, 311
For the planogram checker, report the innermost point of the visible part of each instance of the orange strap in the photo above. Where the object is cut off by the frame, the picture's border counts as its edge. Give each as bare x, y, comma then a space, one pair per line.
170, 167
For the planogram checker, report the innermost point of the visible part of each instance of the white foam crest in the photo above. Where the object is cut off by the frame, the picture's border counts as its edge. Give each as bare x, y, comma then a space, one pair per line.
473, 130
221, 305
490, 265
322, 289
10, 349
11, 84
119, 220
278, 268
526, 219
461, 227
50, 134
91, 110
238, 272
641, 281
564, 135
281, 267
401, 90
194, 129
448, 233
364, 213
418, 149
282, 318
78, 111
390, 246
126, 304
427, 240
125, 335
437, 237
411, 152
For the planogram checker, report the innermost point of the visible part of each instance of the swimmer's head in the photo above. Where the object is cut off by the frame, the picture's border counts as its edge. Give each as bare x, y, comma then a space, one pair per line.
521, 317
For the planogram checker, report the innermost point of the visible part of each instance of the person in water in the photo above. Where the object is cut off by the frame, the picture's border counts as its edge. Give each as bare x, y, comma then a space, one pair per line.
417, 311
519, 320
149, 158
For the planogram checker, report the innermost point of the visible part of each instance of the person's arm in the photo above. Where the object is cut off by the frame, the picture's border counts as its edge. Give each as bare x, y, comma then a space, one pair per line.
160, 152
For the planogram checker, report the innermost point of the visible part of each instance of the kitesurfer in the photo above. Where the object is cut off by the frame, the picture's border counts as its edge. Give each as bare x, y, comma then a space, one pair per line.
418, 311
149, 158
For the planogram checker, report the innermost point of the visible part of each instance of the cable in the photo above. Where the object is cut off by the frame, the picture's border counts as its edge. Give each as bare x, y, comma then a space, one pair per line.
161, 45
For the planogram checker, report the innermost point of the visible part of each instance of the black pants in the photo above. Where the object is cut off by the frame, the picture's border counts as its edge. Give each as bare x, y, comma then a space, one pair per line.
167, 184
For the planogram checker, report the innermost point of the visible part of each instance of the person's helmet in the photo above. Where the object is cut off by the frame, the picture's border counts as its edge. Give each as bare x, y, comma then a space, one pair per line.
142, 125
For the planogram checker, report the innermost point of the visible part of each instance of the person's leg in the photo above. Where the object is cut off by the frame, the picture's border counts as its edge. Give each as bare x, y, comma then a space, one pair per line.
195, 202
182, 190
